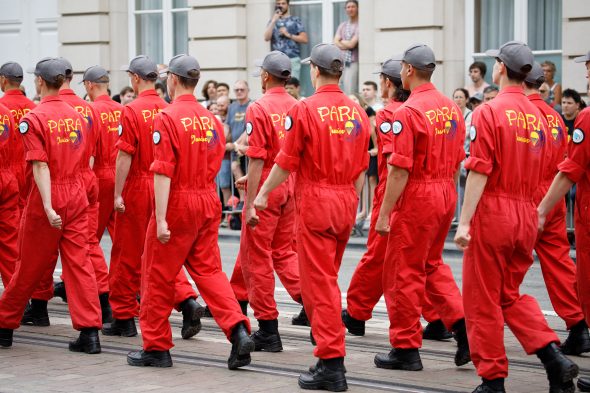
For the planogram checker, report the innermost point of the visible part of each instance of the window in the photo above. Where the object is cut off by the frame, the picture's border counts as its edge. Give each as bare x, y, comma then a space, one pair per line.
490, 23
158, 28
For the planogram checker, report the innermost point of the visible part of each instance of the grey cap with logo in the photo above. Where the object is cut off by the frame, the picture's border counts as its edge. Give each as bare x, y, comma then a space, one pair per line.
516, 55
419, 56
275, 63
326, 56
144, 67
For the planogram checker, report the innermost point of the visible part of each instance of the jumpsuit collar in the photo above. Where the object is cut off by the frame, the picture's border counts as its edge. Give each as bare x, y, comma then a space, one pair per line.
331, 88
49, 99
103, 97
185, 98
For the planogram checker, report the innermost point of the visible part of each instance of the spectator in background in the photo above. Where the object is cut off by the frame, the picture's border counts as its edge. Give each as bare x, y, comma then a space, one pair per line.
475, 101
477, 73
222, 89
347, 39
285, 32
209, 91
126, 95
489, 93
571, 105
549, 71
461, 97
161, 90
370, 95
222, 106
294, 89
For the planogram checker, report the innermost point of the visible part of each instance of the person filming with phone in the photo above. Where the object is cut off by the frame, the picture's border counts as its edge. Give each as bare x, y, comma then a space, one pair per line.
285, 32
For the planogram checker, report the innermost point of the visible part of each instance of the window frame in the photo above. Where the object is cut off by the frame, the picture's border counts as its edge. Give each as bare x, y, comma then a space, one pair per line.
328, 27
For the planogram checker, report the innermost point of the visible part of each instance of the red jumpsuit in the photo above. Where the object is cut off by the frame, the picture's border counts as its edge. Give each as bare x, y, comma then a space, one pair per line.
366, 285
428, 134
9, 196
267, 247
508, 144
577, 168
189, 146
109, 114
326, 144
19, 106
238, 285
552, 247
135, 138
55, 133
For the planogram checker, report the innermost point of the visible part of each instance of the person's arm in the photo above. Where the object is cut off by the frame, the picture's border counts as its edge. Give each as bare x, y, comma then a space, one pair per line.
123, 164
338, 38
276, 177
397, 178
359, 183
255, 166
42, 178
350, 44
476, 183
559, 187
270, 27
557, 94
300, 38
161, 194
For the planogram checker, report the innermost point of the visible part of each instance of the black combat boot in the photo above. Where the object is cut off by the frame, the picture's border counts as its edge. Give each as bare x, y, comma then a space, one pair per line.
327, 374
59, 290
207, 313
120, 327
436, 331
87, 342
149, 358
354, 326
241, 347
491, 386
192, 312
267, 337
561, 371
400, 359
36, 313
577, 341
105, 308
6, 337
300, 319
462, 356
244, 306
583, 383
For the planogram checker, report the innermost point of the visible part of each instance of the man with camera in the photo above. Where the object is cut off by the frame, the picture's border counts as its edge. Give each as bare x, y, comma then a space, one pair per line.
285, 32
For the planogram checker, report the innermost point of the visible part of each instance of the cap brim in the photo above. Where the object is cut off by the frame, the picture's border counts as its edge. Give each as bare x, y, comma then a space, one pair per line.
125, 68
493, 52
581, 59
257, 73
307, 60
30, 70
377, 72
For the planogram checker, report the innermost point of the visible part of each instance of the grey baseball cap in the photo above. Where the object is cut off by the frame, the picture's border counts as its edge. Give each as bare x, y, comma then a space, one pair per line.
185, 66
326, 56
536, 75
96, 74
516, 55
390, 67
582, 59
143, 66
69, 68
420, 56
12, 70
50, 68
275, 63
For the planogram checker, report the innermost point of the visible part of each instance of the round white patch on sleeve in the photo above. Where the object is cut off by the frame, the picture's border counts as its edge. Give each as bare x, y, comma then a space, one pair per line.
397, 127
578, 136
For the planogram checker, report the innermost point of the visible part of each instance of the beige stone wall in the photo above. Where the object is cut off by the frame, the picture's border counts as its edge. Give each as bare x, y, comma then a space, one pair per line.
575, 36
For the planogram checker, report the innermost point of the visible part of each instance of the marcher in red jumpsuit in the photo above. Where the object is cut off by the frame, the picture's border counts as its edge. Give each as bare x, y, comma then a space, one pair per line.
189, 144
326, 145
497, 228
576, 169
267, 235
134, 190
365, 287
552, 247
426, 151
55, 217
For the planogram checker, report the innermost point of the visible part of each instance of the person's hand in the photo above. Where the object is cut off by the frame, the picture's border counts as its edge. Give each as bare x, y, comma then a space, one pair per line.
284, 32
382, 225
373, 152
54, 219
119, 204
240, 149
541, 223
462, 236
261, 202
251, 217
163, 232
241, 182
276, 16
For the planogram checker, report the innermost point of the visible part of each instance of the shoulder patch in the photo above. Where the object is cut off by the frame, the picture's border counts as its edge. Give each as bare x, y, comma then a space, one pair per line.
157, 137
385, 127
397, 127
472, 133
249, 128
288, 123
120, 130
23, 127
578, 136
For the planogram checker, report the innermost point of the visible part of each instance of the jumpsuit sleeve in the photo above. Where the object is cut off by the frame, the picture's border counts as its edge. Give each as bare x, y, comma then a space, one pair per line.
164, 151
383, 122
128, 129
216, 149
482, 147
96, 127
33, 139
257, 130
297, 134
402, 150
364, 159
578, 155
460, 138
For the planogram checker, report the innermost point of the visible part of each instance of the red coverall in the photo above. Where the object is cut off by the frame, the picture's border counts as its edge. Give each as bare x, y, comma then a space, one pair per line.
55, 133
504, 230
109, 113
327, 142
576, 167
9, 196
189, 146
268, 247
238, 285
135, 138
19, 106
366, 285
428, 140
552, 247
